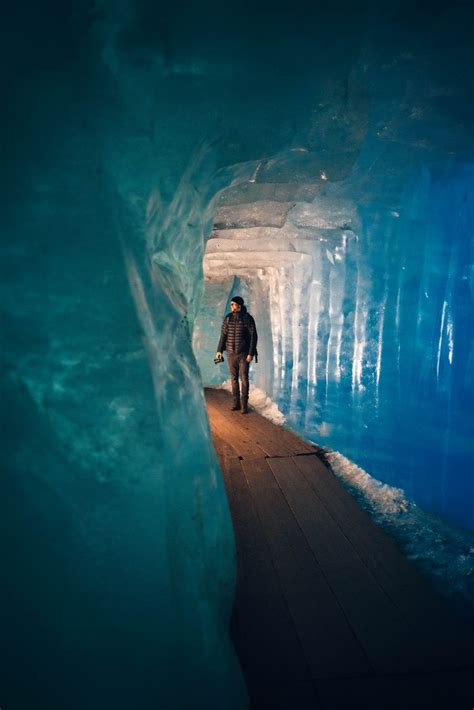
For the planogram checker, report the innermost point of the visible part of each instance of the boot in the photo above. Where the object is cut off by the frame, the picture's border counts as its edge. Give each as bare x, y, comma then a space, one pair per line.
236, 406
245, 409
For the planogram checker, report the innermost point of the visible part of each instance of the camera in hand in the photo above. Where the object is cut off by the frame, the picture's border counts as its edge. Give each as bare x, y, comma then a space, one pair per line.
217, 360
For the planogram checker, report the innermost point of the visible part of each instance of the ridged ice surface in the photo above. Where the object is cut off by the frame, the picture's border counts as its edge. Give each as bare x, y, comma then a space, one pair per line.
365, 333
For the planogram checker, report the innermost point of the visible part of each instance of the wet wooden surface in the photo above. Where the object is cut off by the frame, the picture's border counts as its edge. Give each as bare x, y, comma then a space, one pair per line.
328, 612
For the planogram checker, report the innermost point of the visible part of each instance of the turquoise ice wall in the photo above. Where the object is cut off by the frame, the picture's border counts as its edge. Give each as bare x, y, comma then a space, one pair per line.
122, 121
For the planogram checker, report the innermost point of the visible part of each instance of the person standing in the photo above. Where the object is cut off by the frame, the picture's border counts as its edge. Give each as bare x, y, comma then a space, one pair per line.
239, 340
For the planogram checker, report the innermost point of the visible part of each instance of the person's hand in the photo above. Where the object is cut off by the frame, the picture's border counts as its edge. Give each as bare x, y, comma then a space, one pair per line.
218, 355
249, 358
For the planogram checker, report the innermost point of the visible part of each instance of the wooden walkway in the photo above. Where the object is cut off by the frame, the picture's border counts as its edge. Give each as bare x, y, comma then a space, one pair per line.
328, 613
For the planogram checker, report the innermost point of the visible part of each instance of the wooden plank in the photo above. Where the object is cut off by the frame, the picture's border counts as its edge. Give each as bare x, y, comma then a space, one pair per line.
264, 635
363, 532
283, 694
308, 557
243, 445
449, 644
270, 648
436, 691
293, 443
389, 642
222, 447
273, 446
246, 426
255, 572
329, 643
284, 441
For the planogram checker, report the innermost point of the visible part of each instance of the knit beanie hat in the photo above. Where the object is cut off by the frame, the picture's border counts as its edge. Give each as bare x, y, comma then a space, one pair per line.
238, 300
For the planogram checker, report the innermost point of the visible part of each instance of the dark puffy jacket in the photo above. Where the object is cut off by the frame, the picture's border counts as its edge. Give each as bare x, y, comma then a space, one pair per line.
238, 333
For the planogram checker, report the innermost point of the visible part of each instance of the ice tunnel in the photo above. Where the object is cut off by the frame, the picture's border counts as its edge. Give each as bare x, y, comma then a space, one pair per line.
317, 157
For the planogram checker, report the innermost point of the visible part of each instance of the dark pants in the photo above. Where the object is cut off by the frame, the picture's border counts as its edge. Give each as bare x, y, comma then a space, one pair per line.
238, 365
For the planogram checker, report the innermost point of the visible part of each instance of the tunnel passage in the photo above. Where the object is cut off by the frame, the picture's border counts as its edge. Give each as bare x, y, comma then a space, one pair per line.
325, 602
123, 121
345, 295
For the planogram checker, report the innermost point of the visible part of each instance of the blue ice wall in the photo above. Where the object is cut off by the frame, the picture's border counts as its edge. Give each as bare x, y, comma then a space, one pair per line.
416, 384
366, 330
116, 535
365, 301
123, 120
393, 389
366, 339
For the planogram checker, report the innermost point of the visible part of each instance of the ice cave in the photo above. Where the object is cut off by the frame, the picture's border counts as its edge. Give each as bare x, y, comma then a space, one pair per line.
318, 159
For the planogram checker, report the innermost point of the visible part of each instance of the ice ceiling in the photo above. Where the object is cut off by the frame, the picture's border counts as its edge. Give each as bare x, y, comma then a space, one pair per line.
327, 152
